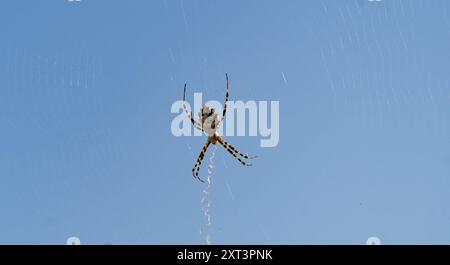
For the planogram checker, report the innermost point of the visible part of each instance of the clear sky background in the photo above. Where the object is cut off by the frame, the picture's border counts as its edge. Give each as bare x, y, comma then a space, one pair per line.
86, 148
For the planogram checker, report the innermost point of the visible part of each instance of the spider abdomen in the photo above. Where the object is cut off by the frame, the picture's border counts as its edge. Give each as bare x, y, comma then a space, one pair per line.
209, 120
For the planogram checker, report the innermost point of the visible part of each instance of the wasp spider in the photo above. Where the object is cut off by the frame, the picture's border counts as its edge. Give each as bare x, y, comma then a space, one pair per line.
210, 123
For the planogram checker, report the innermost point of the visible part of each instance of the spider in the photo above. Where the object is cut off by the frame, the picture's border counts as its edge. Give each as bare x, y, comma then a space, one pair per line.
210, 123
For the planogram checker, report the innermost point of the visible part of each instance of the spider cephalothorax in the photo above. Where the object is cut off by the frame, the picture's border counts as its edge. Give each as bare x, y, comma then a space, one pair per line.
210, 123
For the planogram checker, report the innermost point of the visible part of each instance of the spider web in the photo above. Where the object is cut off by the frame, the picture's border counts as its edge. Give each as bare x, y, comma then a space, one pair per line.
369, 83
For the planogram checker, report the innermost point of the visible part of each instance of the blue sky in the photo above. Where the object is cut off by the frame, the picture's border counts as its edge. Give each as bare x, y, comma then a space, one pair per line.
86, 148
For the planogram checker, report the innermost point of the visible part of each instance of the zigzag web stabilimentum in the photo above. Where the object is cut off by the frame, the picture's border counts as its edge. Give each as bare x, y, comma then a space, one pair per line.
206, 200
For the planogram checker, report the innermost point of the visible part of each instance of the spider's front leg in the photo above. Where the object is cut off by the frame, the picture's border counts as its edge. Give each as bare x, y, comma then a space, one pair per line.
225, 104
189, 114
199, 161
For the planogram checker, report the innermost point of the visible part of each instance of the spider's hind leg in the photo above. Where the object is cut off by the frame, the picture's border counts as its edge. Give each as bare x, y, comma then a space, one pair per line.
235, 152
244, 155
197, 165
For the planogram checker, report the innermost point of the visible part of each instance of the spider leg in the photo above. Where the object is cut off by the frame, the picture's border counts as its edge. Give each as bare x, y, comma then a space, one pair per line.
226, 100
199, 161
234, 153
189, 114
244, 155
